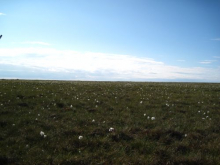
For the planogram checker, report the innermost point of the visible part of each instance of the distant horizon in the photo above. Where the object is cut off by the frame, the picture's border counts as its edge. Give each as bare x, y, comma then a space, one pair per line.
132, 81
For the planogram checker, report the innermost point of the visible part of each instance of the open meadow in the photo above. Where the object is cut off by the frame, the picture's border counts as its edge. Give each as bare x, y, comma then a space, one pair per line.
74, 122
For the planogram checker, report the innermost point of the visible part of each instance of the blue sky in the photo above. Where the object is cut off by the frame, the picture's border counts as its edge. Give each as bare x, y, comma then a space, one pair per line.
126, 40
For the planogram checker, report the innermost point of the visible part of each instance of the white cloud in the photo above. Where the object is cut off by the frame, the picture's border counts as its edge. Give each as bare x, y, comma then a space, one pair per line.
36, 43
216, 56
181, 60
110, 66
2, 14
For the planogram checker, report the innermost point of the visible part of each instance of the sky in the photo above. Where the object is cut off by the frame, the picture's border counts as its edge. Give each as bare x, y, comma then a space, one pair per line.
110, 40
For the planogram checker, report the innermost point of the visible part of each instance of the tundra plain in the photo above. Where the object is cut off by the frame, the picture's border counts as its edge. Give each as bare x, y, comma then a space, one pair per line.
76, 122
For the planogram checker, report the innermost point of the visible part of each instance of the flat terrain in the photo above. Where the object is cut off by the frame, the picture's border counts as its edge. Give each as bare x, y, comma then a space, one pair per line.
58, 122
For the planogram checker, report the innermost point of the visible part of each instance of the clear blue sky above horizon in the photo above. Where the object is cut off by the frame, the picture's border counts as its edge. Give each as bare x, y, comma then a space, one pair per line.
163, 40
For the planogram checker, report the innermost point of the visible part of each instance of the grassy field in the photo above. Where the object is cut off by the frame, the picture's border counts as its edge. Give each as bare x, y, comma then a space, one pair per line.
58, 122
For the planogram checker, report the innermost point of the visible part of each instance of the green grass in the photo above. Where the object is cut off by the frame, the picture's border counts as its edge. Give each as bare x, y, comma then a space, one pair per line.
186, 129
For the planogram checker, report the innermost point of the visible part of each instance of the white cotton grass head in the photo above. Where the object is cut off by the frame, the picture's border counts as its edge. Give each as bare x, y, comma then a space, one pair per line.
153, 118
111, 129
80, 137
41, 133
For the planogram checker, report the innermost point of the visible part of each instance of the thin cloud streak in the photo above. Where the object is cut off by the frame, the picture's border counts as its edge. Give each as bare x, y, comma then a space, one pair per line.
36, 43
2, 14
207, 61
109, 66
216, 39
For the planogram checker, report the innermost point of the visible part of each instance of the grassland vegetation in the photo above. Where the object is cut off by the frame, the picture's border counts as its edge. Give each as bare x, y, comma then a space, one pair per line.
64, 122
